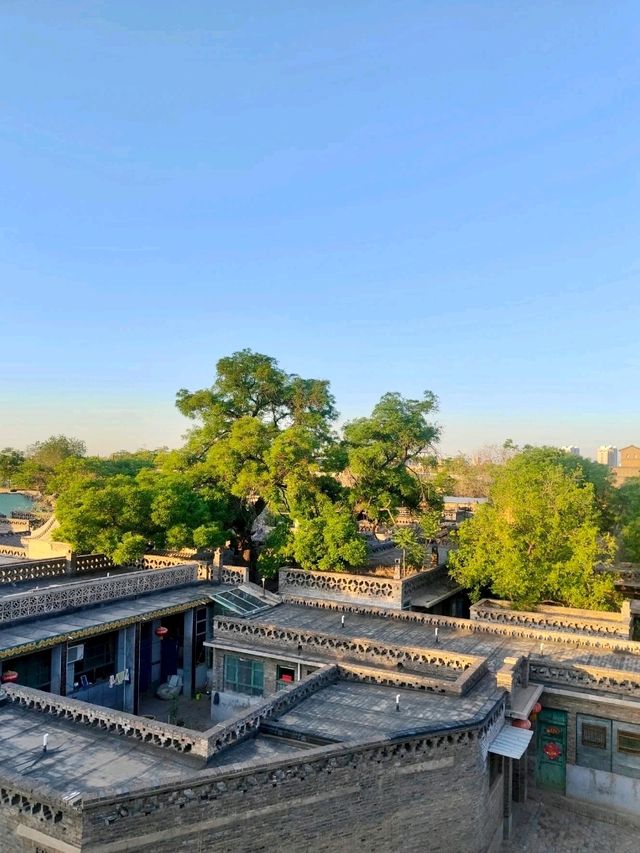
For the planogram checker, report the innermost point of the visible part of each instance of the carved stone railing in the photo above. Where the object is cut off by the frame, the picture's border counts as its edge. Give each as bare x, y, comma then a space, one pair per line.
583, 676
474, 626
157, 561
339, 585
84, 593
151, 732
85, 563
232, 575
17, 551
27, 570
392, 592
449, 672
548, 618
227, 733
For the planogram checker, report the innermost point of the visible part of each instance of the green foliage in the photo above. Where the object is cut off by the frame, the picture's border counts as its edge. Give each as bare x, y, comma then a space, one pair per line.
129, 549
414, 552
539, 538
11, 461
42, 460
386, 451
264, 436
119, 514
628, 508
330, 541
429, 522
276, 550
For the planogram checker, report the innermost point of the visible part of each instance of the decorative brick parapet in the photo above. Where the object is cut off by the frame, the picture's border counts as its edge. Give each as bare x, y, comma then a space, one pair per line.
475, 626
27, 570
591, 678
331, 584
40, 803
151, 732
85, 593
449, 672
318, 763
230, 575
228, 732
378, 590
549, 618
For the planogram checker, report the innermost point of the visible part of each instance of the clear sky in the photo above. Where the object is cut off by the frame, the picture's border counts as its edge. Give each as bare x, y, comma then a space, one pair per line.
391, 195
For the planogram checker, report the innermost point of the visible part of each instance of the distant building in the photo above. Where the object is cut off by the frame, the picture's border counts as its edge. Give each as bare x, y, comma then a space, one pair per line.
607, 455
629, 464
572, 449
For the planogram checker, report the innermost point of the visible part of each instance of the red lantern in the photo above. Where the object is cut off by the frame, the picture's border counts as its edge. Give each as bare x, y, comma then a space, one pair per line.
537, 708
9, 676
161, 632
521, 724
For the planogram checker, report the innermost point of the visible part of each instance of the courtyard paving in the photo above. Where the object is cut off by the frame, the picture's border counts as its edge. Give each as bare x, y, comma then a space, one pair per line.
541, 827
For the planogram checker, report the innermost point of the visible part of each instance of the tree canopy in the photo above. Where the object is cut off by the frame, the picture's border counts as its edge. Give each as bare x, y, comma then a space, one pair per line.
540, 537
387, 452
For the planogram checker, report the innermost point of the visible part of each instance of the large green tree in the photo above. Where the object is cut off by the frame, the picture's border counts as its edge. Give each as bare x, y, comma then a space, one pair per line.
541, 537
387, 454
11, 461
42, 460
265, 436
628, 512
124, 514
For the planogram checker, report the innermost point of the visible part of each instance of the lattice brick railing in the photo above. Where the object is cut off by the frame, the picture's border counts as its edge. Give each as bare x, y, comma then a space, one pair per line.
568, 620
587, 677
151, 732
32, 570
451, 672
233, 575
320, 584
229, 732
477, 626
84, 593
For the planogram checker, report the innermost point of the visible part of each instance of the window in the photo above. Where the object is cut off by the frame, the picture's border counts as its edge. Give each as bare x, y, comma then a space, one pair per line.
243, 676
285, 675
629, 742
593, 736
99, 660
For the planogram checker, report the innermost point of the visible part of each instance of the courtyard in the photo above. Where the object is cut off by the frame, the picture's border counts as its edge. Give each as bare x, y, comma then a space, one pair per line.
570, 827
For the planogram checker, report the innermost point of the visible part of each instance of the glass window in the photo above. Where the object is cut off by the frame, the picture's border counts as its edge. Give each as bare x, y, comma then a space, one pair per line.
629, 742
243, 676
594, 736
285, 675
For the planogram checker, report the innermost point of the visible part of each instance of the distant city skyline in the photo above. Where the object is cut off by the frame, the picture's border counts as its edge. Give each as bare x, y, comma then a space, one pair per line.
395, 197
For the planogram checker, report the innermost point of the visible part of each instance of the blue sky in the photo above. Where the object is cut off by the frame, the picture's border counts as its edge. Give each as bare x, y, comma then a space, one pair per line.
393, 196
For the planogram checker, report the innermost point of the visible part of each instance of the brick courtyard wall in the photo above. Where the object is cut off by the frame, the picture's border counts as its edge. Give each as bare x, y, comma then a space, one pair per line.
410, 794
29, 817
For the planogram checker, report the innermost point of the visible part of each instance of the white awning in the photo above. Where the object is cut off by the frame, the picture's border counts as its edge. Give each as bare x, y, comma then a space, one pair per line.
511, 742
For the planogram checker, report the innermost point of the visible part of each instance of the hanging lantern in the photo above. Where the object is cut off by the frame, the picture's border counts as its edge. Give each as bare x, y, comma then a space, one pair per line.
537, 708
521, 724
161, 632
9, 676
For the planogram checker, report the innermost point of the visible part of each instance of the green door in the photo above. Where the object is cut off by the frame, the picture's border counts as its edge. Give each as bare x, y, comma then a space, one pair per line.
551, 750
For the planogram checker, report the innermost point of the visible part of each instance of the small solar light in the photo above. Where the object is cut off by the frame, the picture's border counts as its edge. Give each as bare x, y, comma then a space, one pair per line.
436, 633
342, 620
45, 738
397, 701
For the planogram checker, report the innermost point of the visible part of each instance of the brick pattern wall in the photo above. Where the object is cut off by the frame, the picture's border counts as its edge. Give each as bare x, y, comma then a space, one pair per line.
380, 797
